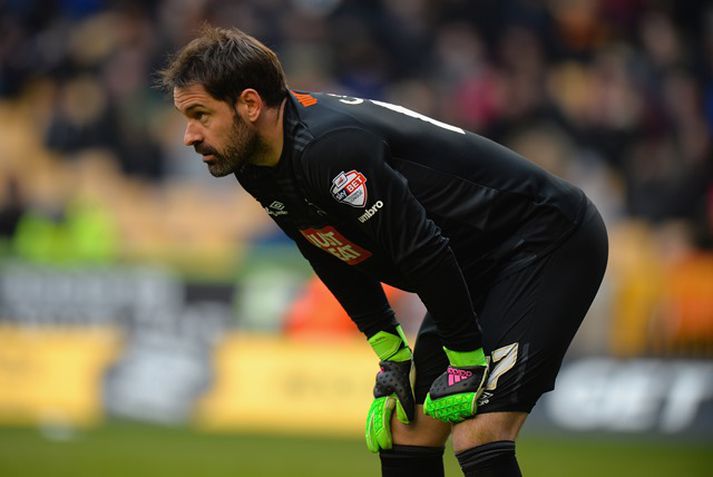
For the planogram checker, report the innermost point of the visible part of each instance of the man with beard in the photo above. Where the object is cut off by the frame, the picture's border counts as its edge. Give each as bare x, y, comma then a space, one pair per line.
506, 257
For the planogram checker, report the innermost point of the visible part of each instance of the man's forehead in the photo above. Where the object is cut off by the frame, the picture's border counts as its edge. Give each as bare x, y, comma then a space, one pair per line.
194, 93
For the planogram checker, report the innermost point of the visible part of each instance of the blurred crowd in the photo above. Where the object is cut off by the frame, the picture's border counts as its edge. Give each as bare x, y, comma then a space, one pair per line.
615, 95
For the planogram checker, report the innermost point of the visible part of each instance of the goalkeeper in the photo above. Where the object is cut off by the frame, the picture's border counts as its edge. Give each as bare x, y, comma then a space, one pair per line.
505, 256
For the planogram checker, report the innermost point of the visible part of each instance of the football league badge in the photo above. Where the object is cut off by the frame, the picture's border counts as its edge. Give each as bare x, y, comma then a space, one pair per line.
350, 188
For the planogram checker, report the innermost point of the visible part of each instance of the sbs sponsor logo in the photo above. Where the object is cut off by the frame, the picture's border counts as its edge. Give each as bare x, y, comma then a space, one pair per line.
371, 211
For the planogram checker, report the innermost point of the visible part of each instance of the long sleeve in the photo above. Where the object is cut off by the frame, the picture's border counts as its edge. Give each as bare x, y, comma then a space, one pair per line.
361, 296
349, 169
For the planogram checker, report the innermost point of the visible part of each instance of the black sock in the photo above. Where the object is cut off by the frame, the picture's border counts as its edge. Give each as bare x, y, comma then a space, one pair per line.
494, 459
412, 461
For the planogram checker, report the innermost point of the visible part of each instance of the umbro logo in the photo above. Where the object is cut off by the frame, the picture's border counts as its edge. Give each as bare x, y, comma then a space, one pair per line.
457, 375
370, 212
276, 208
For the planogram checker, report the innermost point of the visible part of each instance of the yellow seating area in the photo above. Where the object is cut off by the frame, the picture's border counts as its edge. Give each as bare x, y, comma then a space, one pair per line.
187, 224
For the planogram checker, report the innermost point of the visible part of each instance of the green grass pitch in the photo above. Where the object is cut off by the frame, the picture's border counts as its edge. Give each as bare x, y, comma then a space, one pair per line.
121, 449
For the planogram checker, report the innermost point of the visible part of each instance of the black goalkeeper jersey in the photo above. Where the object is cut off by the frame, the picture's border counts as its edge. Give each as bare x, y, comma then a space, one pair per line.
373, 192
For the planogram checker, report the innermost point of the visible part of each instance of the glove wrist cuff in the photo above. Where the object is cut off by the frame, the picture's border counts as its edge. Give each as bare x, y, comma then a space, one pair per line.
391, 347
464, 359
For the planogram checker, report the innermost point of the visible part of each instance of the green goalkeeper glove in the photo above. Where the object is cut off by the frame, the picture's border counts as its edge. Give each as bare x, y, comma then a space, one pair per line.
453, 396
392, 389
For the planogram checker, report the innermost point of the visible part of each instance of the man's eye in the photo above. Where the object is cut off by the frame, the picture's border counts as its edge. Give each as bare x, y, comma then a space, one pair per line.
200, 116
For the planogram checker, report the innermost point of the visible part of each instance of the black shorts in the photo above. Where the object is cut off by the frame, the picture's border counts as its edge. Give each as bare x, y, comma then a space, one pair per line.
528, 318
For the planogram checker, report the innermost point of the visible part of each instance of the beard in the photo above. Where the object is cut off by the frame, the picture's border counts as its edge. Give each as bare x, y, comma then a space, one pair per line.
243, 147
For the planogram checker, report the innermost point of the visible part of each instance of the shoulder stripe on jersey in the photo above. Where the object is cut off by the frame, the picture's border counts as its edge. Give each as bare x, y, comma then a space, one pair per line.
299, 134
305, 99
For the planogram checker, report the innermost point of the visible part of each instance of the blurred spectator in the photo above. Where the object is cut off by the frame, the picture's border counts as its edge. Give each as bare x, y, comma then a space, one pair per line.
12, 207
685, 324
81, 118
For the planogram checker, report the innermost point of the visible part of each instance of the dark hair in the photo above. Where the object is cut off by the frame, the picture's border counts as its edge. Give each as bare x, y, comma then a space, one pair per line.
226, 61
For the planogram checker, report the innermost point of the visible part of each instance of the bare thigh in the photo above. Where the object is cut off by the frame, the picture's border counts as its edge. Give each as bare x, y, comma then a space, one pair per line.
488, 427
423, 431
483, 428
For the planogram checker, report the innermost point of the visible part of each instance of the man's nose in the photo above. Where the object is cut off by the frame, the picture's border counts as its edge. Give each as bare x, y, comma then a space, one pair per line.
191, 135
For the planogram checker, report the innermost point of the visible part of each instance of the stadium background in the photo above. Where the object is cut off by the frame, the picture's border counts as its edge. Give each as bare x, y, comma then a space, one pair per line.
154, 322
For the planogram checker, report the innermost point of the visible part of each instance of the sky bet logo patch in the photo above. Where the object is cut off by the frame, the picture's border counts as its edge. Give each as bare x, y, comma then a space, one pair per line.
350, 188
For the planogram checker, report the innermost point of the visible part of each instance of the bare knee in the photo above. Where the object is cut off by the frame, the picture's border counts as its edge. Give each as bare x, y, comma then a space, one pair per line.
488, 427
423, 431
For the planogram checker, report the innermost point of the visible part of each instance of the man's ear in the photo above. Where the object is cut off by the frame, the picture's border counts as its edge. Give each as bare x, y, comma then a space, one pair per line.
249, 105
